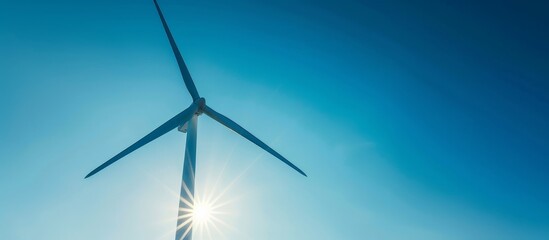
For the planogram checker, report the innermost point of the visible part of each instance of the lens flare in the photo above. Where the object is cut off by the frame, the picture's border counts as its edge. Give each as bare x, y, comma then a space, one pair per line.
202, 213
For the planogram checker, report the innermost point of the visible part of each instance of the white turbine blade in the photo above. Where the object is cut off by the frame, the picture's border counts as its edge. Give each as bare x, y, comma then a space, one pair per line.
182, 66
174, 122
243, 132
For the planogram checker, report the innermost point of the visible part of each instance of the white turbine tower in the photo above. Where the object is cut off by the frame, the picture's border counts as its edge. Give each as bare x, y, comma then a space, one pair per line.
186, 121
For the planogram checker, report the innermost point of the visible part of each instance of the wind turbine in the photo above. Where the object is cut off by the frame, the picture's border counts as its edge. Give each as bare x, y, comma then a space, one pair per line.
186, 121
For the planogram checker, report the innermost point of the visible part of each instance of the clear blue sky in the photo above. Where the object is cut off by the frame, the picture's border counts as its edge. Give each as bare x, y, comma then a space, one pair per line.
424, 120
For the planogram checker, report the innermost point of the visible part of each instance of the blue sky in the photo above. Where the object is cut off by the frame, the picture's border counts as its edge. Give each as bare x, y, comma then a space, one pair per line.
424, 120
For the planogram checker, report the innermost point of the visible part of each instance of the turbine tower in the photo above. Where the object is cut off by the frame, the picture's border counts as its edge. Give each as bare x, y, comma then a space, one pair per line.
186, 121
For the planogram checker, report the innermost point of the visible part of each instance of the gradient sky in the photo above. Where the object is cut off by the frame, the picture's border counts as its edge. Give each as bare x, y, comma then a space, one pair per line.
424, 120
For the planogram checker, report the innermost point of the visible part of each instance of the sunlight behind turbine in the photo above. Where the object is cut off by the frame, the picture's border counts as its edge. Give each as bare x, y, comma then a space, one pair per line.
203, 216
202, 213
192, 213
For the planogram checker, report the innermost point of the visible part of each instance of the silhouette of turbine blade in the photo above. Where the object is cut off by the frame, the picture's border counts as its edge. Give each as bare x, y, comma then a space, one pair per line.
174, 122
182, 66
244, 133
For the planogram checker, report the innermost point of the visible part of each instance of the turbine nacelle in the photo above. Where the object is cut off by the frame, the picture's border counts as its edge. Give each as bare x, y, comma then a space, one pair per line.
183, 128
200, 107
201, 103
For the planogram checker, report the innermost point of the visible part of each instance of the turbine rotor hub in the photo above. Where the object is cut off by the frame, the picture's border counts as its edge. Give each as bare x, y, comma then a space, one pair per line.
201, 102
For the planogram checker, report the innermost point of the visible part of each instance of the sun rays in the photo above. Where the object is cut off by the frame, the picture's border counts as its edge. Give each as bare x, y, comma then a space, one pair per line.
210, 211
202, 216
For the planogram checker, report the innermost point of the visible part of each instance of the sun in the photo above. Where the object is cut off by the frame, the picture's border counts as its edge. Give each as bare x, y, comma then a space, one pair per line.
207, 212
202, 213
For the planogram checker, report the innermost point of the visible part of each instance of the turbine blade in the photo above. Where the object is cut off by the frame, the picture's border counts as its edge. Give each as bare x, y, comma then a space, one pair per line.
178, 119
244, 133
182, 67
